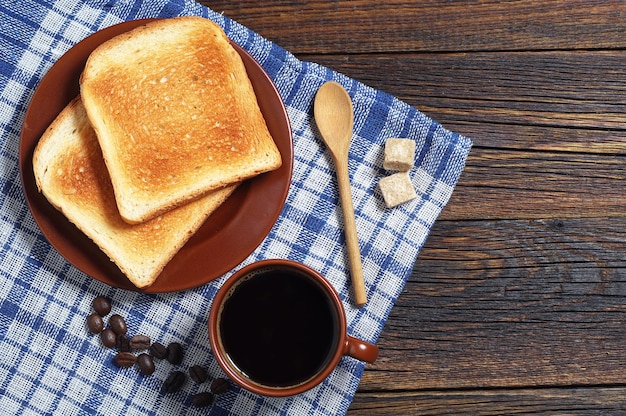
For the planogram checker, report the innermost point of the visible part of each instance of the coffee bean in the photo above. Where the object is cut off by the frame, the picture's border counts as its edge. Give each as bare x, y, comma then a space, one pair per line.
108, 338
139, 342
125, 359
117, 324
123, 344
203, 399
197, 374
95, 323
220, 386
175, 353
102, 305
174, 382
146, 364
158, 350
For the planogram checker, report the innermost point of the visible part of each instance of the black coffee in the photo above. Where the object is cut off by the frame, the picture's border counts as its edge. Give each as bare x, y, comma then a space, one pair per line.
279, 328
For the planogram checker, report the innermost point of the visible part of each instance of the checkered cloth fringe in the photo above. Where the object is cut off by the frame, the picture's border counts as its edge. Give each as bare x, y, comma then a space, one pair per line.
49, 364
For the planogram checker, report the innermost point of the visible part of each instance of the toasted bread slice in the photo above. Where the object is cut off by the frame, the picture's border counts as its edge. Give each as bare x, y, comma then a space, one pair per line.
70, 171
175, 114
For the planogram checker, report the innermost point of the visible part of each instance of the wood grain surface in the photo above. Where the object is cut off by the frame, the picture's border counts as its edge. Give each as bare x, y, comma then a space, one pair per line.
517, 303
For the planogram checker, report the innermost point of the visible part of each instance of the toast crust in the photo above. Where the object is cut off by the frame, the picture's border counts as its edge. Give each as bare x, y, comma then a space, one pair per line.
175, 114
70, 172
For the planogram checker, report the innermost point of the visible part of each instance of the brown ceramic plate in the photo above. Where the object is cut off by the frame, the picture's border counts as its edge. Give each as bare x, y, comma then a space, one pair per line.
229, 235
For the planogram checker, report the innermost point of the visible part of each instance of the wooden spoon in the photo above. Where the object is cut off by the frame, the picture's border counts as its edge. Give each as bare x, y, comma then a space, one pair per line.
335, 118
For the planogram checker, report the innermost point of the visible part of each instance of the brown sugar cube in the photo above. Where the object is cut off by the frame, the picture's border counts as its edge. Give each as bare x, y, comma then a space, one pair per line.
397, 189
399, 154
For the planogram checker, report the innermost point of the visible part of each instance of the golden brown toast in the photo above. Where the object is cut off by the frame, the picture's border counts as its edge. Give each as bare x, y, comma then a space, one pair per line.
70, 171
175, 114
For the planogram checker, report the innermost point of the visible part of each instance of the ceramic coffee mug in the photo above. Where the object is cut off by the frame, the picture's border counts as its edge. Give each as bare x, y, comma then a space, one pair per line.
278, 328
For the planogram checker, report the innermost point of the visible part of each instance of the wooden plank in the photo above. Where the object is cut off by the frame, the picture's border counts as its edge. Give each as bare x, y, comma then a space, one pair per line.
502, 184
608, 142
515, 304
361, 26
576, 400
511, 100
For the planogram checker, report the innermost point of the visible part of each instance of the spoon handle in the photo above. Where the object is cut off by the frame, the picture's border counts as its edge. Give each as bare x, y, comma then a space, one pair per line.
352, 241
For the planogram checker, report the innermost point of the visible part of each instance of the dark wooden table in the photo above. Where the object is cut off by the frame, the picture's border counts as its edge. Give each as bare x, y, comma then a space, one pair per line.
518, 300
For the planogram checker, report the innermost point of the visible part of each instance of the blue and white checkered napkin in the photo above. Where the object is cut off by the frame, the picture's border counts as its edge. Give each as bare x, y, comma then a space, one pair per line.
48, 362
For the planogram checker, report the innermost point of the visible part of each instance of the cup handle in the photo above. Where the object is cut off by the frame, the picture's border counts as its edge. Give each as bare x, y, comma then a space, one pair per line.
361, 350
